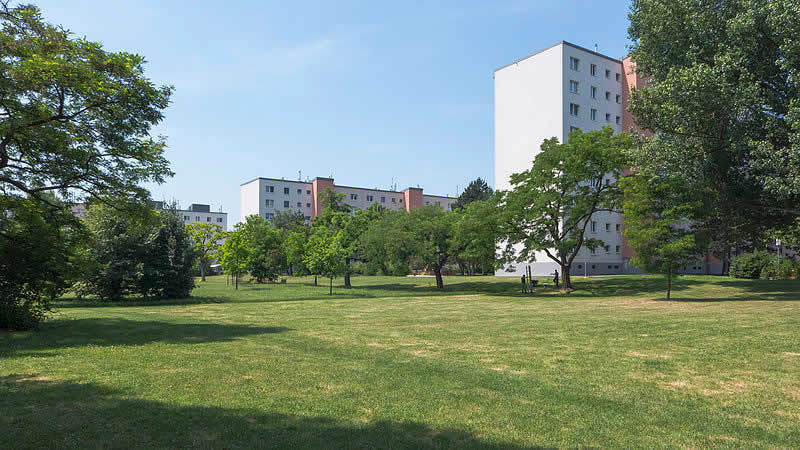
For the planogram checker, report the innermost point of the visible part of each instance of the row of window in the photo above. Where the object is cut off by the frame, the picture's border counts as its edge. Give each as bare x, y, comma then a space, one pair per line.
617, 227
617, 250
575, 64
197, 219
269, 203
574, 87
271, 189
270, 216
575, 110
615, 266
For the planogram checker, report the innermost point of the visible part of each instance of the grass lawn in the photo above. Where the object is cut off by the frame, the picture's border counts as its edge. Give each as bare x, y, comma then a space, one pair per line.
395, 363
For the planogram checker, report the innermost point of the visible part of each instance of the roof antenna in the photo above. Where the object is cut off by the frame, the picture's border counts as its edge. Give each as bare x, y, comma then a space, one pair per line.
299, 175
595, 47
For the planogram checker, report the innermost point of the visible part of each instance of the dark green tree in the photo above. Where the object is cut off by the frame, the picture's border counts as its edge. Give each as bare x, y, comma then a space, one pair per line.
289, 220
475, 235
476, 190
431, 230
266, 259
168, 258
386, 244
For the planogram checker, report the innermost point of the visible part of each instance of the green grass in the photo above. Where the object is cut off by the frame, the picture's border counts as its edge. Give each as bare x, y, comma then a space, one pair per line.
395, 363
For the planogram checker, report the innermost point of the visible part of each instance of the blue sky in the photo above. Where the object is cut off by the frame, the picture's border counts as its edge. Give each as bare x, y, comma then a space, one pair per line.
370, 92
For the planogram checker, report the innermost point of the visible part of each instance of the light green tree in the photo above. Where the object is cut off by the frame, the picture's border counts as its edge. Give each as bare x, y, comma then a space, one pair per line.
550, 205
265, 252
207, 240
325, 254
659, 226
235, 254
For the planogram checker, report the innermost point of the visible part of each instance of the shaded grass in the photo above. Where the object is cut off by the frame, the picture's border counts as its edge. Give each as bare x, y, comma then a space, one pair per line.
396, 363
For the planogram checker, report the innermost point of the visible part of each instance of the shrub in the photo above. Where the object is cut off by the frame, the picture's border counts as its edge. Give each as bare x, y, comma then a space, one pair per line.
749, 265
786, 269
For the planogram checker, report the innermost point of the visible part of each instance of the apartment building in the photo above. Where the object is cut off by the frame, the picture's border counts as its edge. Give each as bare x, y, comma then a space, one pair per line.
199, 213
266, 196
551, 93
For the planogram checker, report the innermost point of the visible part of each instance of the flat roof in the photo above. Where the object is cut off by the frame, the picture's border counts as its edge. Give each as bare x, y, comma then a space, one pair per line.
274, 179
557, 44
344, 186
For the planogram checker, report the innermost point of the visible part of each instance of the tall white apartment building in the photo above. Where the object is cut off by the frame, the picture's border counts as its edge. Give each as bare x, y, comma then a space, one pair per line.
266, 196
199, 213
548, 94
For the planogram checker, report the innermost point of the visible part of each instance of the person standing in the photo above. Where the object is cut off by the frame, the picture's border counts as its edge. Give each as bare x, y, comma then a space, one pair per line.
555, 277
524, 285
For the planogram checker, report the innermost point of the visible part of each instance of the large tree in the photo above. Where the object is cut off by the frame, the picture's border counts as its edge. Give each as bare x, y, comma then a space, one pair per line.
265, 258
475, 234
550, 205
325, 254
722, 100
431, 231
75, 118
207, 240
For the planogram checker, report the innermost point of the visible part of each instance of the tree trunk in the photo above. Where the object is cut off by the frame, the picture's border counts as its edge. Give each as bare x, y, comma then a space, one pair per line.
237, 282
566, 281
347, 272
669, 282
202, 271
439, 282
315, 280
331, 291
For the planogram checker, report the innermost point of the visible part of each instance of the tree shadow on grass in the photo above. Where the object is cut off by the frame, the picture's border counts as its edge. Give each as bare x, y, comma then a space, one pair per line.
40, 413
107, 332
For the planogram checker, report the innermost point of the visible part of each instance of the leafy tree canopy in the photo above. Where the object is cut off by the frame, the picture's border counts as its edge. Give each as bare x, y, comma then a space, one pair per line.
477, 189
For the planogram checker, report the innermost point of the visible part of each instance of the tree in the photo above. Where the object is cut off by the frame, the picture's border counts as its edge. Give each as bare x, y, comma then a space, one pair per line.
265, 258
723, 103
289, 220
37, 260
235, 254
207, 239
659, 226
168, 258
431, 231
294, 244
325, 254
475, 235
552, 203
475, 191
76, 119
386, 244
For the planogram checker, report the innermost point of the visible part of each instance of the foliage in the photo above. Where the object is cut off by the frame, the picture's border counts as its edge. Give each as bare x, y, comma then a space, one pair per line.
139, 250
289, 220
325, 254
265, 253
206, 240
294, 244
386, 245
749, 265
551, 204
475, 235
476, 190
76, 119
723, 103
37, 262
235, 254
784, 269
658, 213
431, 230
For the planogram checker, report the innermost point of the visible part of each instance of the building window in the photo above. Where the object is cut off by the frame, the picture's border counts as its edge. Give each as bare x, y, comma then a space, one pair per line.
618, 77
618, 120
197, 218
608, 96
573, 86
593, 114
571, 129
401, 200
593, 69
593, 92
608, 73
594, 252
270, 188
286, 204
619, 98
286, 191
383, 199
573, 109
186, 218
299, 204
608, 117
308, 191
617, 227
427, 203
608, 227
370, 198
299, 191
219, 219
270, 203
594, 227
308, 205
574, 63
353, 196
394, 200
208, 219
269, 216
616, 249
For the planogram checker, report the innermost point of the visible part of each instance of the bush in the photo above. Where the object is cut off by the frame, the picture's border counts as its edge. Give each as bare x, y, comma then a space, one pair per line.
786, 269
749, 265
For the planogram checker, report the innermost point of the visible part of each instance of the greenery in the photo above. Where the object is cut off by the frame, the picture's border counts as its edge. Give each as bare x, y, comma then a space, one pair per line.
395, 362
784, 269
658, 224
207, 241
325, 254
265, 258
474, 237
749, 265
551, 204
723, 105
235, 254
137, 251
476, 190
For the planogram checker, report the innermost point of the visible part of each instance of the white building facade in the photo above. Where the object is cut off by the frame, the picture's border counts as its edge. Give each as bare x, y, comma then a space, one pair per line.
549, 94
199, 213
266, 196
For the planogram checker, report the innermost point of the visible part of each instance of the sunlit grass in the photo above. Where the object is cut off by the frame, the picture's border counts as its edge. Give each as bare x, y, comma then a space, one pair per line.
395, 363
